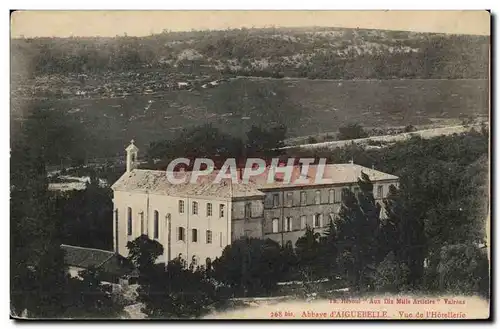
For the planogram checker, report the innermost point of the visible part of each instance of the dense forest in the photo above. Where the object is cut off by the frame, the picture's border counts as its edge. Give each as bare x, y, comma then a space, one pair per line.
312, 53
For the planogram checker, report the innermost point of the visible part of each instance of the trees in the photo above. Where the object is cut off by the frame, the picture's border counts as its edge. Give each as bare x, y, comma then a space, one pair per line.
463, 269
143, 253
351, 131
172, 291
89, 298
40, 285
178, 291
250, 266
402, 240
265, 142
308, 254
358, 232
37, 265
86, 216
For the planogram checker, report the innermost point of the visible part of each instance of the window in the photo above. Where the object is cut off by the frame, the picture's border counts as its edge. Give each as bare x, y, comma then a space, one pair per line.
195, 208
209, 209
380, 191
181, 234
156, 225
332, 196
220, 238
194, 260
288, 224
289, 199
276, 200
248, 210
303, 198
318, 220
129, 221
275, 225
194, 235
181, 207
317, 197
209, 236
221, 211
303, 222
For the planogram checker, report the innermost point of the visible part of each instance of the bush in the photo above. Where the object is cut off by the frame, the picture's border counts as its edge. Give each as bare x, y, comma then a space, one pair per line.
250, 266
391, 276
352, 131
463, 269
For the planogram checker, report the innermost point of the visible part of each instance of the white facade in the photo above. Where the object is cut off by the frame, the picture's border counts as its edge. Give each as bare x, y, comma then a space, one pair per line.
181, 232
197, 230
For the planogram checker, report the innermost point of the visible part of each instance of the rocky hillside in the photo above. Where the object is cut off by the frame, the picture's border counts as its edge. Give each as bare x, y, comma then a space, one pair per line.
331, 53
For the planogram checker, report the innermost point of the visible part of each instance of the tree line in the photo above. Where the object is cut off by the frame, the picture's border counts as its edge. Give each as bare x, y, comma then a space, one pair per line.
287, 53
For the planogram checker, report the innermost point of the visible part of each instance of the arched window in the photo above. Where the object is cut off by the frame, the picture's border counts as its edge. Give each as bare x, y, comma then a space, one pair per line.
318, 220
275, 225
332, 196
129, 221
156, 225
317, 197
303, 222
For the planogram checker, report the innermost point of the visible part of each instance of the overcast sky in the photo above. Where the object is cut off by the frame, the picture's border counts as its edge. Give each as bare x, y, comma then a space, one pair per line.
140, 23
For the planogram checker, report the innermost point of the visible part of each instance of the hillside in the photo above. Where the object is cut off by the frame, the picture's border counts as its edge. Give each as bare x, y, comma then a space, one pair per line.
109, 90
314, 53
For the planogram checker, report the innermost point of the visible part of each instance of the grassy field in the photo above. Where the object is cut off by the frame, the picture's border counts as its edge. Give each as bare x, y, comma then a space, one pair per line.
306, 107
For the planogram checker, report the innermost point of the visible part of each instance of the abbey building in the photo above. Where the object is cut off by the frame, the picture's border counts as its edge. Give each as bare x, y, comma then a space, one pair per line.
196, 221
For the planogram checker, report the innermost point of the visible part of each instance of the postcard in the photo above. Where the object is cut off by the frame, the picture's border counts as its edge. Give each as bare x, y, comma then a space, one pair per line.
277, 165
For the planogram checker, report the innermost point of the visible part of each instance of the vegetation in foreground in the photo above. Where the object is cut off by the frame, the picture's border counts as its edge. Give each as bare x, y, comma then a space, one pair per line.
435, 217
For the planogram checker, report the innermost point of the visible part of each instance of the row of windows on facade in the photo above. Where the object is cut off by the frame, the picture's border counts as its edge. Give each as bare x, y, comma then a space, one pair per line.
288, 223
194, 209
156, 229
156, 222
332, 197
181, 235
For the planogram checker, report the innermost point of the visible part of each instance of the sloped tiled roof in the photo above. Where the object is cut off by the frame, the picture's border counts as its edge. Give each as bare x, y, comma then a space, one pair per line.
85, 257
343, 173
156, 181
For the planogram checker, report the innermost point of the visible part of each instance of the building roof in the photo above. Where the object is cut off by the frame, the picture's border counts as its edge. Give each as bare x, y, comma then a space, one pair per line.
104, 260
156, 181
343, 173
85, 257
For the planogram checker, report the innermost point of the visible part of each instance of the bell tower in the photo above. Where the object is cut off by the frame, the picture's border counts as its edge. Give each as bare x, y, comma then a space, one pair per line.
132, 151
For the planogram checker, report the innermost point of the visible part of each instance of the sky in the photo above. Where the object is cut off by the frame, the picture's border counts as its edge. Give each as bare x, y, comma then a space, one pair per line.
141, 23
